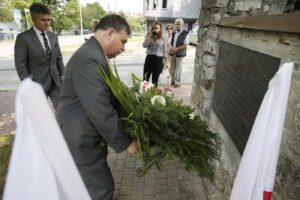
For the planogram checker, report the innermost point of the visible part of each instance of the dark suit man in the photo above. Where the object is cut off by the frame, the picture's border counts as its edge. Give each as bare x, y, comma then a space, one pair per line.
37, 53
87, 111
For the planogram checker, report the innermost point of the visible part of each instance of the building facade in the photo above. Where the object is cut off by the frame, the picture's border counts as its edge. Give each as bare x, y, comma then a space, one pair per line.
166, 11
8, 31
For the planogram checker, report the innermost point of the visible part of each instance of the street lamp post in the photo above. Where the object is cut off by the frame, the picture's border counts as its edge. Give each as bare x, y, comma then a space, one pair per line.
26, 10
156, 2
80, 11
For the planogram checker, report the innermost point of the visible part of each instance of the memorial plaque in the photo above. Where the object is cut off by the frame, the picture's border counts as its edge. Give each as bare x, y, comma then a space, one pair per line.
241, 82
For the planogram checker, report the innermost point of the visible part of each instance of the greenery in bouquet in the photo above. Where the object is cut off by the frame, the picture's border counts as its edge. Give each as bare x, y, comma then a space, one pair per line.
164, 127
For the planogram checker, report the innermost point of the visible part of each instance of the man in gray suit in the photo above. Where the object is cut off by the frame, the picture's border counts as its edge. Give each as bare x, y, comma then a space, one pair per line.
87, 111
37, 53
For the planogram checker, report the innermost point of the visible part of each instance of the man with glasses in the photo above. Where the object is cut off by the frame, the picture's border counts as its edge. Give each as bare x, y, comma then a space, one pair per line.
37, 53
179, 42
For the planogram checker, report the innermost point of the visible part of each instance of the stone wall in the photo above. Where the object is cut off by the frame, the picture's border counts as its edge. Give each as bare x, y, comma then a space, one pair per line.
271, 43
209, 34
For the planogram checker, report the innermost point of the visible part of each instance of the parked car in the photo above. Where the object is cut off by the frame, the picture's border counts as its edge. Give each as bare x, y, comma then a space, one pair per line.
194, 35
87, 31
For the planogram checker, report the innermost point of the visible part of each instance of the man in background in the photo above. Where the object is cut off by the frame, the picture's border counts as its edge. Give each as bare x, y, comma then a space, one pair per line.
179, 42
38, 55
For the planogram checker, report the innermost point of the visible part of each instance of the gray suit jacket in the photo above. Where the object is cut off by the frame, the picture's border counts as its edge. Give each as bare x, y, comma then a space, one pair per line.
87, 109
31, 59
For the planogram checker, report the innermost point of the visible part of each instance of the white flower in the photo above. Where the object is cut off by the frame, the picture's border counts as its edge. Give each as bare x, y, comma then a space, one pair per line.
149, 86
158, 99
145, 86
191, 116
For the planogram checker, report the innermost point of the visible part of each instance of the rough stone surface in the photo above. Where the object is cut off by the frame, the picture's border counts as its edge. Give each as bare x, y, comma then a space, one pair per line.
277, 7
266, 8
241, 5
215, 18
282, 45
213, 32
210, 46
209, 60
215, 3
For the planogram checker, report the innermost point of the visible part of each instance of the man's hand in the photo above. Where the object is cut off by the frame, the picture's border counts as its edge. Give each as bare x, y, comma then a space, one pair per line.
132, 147
173, 50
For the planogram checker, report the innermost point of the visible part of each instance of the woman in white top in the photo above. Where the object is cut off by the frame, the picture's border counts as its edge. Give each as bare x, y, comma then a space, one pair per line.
169, 29
157, 54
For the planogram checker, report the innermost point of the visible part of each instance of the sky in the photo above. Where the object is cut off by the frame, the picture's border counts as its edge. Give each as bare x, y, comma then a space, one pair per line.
131, 6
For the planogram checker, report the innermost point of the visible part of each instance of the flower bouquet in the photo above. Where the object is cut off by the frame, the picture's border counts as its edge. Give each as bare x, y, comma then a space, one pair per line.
165, 128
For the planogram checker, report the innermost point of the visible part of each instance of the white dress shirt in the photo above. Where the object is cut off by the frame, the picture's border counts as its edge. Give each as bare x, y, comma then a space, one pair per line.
38, 33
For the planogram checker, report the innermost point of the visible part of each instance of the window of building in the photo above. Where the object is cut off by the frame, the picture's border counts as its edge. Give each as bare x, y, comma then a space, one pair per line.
154, 4
164, 4
147, 4
11, 29
1, 29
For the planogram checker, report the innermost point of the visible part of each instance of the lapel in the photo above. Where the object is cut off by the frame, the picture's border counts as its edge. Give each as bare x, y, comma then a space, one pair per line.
51, 40
37, 42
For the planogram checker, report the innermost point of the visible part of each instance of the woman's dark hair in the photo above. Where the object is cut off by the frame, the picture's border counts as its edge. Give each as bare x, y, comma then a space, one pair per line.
113, 21
159, 34
39, 9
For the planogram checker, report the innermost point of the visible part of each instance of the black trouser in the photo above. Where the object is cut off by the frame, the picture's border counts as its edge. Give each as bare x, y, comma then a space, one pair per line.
153, 66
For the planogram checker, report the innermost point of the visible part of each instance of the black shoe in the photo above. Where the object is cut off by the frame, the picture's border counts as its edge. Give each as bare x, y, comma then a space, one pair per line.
176, 86
172, 83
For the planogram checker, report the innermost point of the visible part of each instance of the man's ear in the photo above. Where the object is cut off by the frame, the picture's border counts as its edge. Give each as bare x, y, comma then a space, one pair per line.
109, 32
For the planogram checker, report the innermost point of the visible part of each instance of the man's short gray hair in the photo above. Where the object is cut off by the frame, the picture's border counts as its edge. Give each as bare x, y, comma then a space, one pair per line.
180, 21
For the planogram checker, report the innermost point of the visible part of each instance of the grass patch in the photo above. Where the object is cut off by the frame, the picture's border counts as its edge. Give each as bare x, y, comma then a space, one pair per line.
71, 46
136, 39
67, 52
6, 142
7, 40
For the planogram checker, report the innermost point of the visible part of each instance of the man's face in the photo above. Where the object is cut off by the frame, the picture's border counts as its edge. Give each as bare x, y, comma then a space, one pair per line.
178, 26
42, 22
117, 44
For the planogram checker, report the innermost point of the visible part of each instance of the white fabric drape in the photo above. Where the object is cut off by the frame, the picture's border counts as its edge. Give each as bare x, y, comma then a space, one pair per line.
41, 165
256, 174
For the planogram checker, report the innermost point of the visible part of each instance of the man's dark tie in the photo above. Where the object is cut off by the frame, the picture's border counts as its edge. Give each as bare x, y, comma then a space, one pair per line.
47, 48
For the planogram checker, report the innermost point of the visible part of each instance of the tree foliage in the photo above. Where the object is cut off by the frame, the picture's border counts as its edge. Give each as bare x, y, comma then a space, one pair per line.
90, 12
137, 23
8, 5
65, 14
